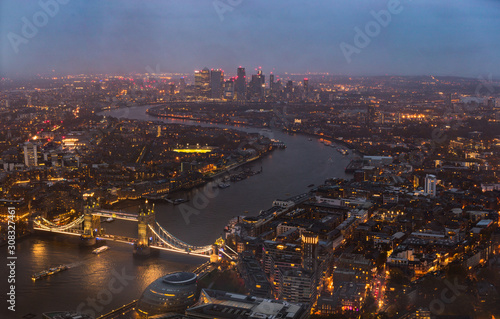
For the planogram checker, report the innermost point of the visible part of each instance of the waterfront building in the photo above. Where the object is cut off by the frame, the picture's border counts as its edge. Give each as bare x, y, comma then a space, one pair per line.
174, 292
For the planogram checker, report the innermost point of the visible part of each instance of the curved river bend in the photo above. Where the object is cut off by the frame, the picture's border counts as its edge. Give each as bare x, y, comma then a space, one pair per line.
86, 284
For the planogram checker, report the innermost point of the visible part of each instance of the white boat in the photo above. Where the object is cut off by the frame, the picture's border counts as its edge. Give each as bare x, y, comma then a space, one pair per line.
99, 250
109, 220
224, 185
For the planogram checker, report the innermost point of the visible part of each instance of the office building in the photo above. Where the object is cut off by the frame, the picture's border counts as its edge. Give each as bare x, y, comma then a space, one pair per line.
202, 82
306, 87
228, 89
241, 84
216, 82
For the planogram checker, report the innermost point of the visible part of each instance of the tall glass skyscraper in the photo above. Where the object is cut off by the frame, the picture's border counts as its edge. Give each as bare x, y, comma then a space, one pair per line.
202, 82
241, 84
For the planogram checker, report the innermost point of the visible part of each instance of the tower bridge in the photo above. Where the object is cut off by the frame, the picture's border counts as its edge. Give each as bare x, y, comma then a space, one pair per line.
150, 234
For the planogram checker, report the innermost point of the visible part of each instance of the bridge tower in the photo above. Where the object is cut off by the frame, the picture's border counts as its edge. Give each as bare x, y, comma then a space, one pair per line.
90, 224
146, 217
214, 256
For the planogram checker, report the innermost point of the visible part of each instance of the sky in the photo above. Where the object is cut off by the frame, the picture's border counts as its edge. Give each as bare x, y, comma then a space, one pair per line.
344, 37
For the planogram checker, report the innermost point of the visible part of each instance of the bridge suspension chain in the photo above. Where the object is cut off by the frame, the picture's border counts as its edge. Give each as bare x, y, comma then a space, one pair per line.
176, 243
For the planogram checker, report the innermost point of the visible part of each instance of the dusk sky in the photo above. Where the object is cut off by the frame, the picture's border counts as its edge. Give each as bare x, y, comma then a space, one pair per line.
444, 37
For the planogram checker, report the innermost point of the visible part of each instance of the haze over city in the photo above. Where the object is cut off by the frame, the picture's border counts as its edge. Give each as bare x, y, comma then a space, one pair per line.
250, 159
421, 38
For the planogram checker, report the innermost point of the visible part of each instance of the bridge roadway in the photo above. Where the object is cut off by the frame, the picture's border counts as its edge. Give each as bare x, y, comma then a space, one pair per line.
115, 215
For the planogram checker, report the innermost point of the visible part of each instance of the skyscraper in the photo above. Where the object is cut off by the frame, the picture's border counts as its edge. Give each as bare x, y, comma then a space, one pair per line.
229, 89
216, 81
30, 154
430, 185
202, 82
306, 86
241, 84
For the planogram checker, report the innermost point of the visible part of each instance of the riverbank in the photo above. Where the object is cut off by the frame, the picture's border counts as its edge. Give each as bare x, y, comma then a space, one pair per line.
152, 112
234, 166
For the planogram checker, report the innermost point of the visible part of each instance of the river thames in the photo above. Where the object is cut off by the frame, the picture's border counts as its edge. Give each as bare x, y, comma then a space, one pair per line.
115, 278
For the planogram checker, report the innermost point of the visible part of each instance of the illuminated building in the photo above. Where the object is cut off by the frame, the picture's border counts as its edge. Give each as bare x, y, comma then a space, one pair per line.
202, 82
430, 185
228, 89
309, 251
171, 293
30, 154
257, 86
297, 286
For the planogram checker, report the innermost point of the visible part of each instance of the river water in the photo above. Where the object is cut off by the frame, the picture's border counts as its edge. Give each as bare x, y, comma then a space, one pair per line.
285, 173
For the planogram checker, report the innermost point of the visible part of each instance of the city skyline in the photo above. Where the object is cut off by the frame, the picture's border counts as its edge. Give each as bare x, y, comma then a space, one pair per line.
362, 38
250, 159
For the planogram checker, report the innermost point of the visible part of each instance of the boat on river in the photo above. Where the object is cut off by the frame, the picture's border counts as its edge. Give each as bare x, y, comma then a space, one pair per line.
99, 250
49, 272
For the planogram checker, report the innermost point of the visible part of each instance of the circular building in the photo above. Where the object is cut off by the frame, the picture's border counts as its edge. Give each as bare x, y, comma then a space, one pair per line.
174, 292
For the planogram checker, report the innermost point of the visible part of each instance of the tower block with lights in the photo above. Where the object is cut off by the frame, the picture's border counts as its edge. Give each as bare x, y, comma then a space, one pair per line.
146, 217
91, 224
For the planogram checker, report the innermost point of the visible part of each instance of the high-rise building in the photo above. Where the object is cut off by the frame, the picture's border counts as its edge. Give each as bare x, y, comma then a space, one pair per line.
228, 88
430, 185
271, 82
30, 155
202, 82
216, 81
309, 251
241, 84
306, 86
